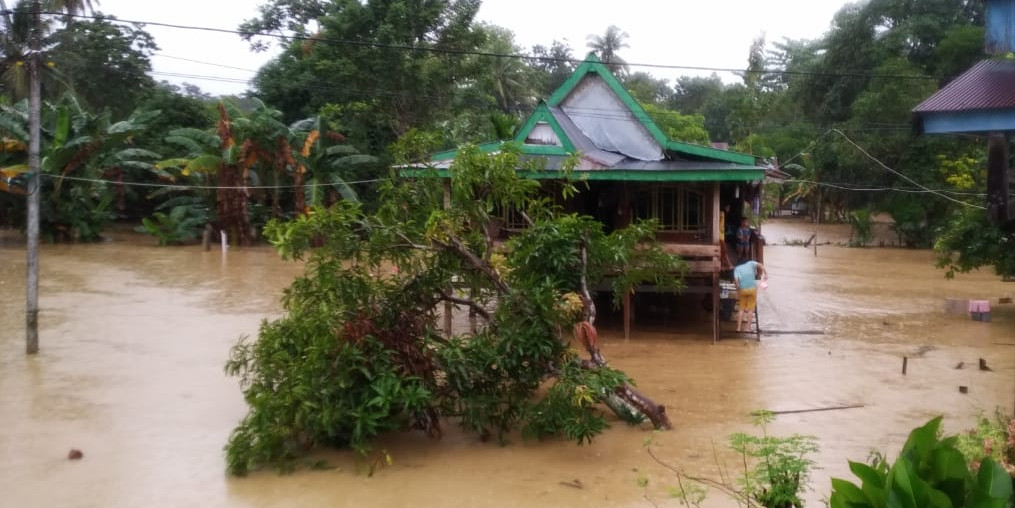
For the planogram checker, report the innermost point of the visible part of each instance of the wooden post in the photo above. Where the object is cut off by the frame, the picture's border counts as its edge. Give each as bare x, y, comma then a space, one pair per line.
905, 362
997, 178
206, 237
448, 308
627, 315
717, 264
815, 244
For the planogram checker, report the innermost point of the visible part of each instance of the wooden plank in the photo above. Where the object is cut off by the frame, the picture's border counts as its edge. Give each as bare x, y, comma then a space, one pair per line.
716, 234
627, 315
692, 250
715, 307
703, 267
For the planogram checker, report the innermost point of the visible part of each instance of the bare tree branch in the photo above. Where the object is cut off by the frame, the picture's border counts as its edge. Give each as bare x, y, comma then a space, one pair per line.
471, 304
456, 245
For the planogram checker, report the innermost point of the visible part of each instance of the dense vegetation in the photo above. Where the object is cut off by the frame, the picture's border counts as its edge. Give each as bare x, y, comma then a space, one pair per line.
359, 353
304, 160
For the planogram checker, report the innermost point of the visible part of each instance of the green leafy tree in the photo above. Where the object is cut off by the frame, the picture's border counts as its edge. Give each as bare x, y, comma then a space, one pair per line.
378, 88
104, 63
359, 353
552, 64
647, 88
971, 242
686, 128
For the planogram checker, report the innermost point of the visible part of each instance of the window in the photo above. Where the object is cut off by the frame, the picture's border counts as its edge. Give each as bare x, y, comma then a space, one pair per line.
678, 209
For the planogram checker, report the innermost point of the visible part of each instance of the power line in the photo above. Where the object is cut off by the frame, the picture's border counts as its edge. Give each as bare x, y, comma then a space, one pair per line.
851, 187
470, 52
205, 187
163, 55
897, 173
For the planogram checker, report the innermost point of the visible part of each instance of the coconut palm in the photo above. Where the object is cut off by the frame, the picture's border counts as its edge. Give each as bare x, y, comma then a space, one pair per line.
607, 46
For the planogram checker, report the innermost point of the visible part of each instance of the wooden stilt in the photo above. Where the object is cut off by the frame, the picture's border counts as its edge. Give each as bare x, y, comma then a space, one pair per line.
627, 315
716, 310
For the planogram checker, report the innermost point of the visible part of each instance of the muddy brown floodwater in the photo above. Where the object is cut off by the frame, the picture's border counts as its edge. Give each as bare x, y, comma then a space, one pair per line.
134, 337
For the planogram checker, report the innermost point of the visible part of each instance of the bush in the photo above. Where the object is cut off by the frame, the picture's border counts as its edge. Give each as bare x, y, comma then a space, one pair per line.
930, 472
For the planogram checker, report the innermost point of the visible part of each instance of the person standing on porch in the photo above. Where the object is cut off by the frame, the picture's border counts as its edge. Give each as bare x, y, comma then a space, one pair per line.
743, 240
746, 277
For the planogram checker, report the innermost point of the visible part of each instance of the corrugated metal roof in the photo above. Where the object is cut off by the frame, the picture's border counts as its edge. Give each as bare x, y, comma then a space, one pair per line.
989, 84
582, 142
553, 162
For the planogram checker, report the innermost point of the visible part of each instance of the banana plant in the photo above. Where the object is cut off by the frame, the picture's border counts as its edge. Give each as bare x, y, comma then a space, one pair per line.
324, 162
78, 150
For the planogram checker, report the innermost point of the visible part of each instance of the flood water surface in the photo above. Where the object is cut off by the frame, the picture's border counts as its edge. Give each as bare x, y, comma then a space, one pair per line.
134, 338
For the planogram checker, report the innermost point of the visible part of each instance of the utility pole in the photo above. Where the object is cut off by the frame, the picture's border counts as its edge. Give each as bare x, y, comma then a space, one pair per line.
32, 226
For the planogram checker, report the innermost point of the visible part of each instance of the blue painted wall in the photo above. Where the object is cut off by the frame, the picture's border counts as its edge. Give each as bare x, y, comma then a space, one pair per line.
969, 121
1000, 26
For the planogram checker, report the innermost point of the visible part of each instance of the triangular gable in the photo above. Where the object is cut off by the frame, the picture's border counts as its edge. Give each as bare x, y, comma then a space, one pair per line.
593, 65
541, 120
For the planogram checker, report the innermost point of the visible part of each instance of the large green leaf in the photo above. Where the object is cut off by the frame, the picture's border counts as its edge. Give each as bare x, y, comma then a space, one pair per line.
873, 482
193, 147
340, 150
847, 495
62, 129
904, 489
122, 127
204, 137
353, 159
14, 127
205, 164
949, 473
993, 487
136, 153
921, 442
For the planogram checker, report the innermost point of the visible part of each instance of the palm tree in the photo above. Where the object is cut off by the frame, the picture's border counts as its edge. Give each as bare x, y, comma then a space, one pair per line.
807, 187
607, 46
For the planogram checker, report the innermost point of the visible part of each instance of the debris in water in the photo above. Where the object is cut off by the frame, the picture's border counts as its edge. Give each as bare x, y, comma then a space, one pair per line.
75, 454
574, 484
959, 366
983, 364
963, 389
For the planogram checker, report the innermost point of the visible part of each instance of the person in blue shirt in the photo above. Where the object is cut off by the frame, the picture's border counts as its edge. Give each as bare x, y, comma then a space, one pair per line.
746, 277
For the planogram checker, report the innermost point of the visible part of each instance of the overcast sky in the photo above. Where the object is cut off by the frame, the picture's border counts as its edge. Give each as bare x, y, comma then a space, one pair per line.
714, 33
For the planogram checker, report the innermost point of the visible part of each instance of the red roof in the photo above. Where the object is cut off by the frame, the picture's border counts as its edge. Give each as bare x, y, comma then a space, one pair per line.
989, 84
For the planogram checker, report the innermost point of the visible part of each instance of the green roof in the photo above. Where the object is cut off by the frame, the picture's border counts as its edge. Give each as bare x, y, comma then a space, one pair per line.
738, 166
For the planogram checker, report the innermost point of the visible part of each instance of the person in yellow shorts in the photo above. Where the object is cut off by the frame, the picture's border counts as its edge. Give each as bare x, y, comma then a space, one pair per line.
746, 277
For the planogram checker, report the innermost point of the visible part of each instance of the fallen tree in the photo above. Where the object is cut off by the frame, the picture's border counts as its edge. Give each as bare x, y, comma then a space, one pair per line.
359, 351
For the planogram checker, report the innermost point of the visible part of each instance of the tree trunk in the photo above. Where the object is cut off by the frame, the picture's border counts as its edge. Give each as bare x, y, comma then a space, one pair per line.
631, 400
232, 204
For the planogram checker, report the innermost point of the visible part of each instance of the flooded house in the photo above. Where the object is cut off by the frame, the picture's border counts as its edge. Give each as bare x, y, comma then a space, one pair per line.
635, 171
